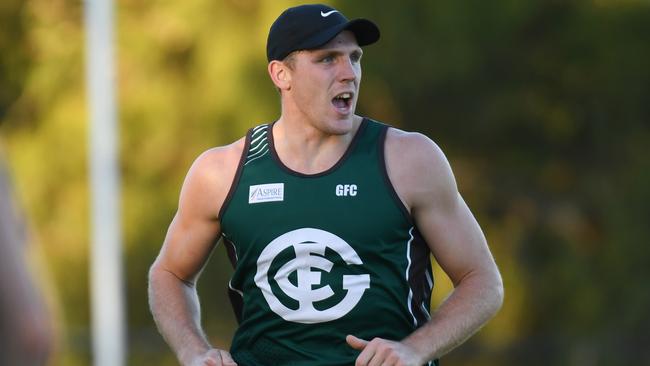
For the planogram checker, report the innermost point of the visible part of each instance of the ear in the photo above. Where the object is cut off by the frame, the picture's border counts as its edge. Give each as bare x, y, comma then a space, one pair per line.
280, 74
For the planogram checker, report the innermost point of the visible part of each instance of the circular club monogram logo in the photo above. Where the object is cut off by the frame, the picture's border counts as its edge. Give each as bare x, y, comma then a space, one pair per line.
309, 246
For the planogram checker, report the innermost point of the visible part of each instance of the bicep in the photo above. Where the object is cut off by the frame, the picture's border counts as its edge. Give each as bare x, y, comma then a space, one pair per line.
187, 246
195, 228
440, 213
455, 238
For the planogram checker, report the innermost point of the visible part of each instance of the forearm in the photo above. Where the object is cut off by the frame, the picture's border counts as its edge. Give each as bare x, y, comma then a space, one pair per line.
175, 307
473, 302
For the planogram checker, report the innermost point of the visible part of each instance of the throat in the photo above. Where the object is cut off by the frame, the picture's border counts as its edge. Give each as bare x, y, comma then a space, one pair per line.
306, 153
312, 158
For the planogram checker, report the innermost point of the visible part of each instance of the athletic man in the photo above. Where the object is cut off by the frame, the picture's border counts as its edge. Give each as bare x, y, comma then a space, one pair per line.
329, 219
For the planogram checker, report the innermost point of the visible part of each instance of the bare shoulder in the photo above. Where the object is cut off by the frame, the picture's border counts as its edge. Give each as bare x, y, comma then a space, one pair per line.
208, 180
418, 148
417, 168
219, 159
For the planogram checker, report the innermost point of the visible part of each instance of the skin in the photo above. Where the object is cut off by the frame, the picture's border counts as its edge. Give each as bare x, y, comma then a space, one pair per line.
311, 136
24, 321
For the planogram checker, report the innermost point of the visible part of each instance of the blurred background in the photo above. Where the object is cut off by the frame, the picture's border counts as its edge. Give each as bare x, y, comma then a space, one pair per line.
542, 107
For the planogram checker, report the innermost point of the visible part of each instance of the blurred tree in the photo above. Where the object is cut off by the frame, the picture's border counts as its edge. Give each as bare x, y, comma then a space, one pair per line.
15, 59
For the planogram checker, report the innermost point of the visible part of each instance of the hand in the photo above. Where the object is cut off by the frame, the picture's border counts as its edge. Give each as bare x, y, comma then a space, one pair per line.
382, 352
214, 357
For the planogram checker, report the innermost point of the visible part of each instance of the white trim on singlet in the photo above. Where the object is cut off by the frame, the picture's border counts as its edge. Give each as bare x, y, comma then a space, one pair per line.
234, 247
409, 300
257, 149
429, 279
255, 132
234, 289
423, 306
427, 292
257, 157
259, 145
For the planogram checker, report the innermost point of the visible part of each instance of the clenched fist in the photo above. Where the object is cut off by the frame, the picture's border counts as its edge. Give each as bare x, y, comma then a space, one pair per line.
213, 357
382, 352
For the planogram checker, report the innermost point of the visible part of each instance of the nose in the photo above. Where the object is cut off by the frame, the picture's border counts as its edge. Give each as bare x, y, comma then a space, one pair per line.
348, 70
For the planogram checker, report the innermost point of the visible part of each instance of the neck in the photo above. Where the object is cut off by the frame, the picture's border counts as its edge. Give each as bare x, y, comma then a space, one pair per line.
304, 147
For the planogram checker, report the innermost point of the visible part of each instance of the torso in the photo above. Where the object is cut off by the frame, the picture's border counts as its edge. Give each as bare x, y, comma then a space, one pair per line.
320, 256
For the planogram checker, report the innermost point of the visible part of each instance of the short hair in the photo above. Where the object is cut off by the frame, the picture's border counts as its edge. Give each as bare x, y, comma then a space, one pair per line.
290, 60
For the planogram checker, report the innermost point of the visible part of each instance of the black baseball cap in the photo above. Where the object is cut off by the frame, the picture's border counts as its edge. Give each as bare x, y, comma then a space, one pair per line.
310, 26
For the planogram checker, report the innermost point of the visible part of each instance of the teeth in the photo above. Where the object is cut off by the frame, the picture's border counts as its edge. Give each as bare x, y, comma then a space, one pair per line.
345, 96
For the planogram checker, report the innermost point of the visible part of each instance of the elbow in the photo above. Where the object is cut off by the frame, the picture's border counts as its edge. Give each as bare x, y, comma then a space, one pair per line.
153, 272
159, 275
497, 293
153, 280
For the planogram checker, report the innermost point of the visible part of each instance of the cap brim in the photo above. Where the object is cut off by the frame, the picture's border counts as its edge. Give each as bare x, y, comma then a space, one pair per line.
366, 31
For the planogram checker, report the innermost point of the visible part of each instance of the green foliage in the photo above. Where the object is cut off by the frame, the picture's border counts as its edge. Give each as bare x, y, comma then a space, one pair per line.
15, 60
541, 107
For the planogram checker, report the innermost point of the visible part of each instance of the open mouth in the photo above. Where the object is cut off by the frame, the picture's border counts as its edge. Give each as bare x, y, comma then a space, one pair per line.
342, 102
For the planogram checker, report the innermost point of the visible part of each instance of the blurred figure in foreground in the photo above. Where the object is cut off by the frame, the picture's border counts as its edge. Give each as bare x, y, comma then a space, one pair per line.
25, 334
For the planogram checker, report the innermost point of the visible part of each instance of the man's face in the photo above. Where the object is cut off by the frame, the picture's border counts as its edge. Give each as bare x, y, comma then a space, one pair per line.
325, 83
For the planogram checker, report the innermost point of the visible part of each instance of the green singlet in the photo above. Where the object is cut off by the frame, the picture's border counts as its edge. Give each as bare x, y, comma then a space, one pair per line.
319, 256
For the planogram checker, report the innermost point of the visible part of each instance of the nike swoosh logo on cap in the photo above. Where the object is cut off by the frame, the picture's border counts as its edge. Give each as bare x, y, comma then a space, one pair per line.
325, 15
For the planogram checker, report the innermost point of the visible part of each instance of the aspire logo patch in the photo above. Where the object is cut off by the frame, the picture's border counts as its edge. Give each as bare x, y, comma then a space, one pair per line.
309, 246
266, 193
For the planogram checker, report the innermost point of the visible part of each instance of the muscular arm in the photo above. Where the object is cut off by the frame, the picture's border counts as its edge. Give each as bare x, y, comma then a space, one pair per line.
459, 246
190, 238
457, 243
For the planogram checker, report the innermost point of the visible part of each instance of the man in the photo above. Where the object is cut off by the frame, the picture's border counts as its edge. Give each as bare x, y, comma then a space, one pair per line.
329, 219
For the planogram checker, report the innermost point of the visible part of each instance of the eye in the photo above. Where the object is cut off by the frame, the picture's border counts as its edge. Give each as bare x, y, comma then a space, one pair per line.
327, 59
355, 56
